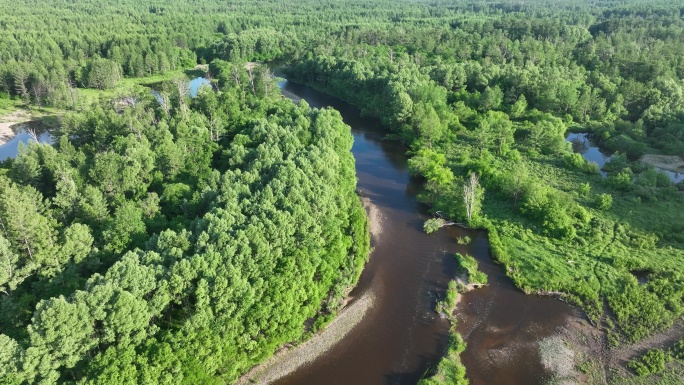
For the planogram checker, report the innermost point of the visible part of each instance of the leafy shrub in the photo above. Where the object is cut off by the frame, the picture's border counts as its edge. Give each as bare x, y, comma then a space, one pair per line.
450, 370
584, 190
432, 225
446, 306
652, 362
469, 264
604, 202
621, 181
576, 161
677, 351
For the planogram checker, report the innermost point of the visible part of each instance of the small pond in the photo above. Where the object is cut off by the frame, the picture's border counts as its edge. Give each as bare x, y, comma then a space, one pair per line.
193, 87
583, 143
10, 149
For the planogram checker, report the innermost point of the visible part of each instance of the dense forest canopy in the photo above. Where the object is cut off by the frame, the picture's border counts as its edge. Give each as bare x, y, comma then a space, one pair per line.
183, 240
152, 234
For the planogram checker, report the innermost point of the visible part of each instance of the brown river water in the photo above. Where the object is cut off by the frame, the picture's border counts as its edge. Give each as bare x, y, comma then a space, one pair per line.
401, 337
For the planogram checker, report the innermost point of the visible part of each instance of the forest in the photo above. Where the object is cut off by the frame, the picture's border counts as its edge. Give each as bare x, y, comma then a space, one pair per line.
185, 239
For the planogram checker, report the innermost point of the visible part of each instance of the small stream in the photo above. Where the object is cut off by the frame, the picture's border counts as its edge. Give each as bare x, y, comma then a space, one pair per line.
402, 337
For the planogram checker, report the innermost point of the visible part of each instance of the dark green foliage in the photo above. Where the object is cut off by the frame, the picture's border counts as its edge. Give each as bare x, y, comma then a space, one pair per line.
543, 224
179, 238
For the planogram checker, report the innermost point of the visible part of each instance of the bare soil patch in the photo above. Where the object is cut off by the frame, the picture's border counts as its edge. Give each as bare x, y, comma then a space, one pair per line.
603, 364
666, 162
7, 123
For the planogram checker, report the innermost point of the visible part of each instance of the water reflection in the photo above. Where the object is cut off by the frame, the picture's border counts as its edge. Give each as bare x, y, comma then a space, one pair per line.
193, 88
582, 144
24, 134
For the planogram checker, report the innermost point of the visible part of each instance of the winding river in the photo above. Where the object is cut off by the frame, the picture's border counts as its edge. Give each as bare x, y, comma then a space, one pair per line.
401, 338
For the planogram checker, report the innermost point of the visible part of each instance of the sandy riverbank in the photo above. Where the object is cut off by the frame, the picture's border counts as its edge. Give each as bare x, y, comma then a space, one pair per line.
287, 360
374, 217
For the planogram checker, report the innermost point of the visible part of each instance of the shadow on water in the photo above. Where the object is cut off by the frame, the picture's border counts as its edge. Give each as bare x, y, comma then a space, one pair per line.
402, 337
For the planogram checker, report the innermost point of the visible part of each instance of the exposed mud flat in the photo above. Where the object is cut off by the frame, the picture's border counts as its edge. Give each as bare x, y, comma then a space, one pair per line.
580, 344
666, 162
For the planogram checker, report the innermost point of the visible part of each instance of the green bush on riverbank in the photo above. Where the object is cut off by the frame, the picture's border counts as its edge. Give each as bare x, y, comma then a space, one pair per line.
469, 265
449, 370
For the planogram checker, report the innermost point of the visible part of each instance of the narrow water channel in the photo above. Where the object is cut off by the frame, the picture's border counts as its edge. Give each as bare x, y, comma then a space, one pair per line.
402, 337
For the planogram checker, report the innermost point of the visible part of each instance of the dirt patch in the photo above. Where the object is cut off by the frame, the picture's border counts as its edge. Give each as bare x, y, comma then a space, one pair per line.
666, 162
374, 217
600, 363
623, 354
250, 65
288, 359
558, 359
8, 123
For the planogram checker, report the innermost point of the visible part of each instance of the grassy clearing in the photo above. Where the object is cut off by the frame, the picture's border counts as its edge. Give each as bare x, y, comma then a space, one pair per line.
8, 105
642, 231
672, 375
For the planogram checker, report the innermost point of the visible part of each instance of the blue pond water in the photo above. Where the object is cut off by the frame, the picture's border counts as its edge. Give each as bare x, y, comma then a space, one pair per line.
193, 87
11, 148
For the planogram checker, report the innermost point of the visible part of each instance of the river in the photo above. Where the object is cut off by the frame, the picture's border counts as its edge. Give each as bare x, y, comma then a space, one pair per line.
402, 337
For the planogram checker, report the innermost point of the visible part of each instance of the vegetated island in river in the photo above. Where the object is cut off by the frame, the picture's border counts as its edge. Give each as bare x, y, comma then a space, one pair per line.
469, 87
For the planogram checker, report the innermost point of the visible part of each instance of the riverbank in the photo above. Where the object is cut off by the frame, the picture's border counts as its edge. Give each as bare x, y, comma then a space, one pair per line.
288, 359
579, 353
374, 218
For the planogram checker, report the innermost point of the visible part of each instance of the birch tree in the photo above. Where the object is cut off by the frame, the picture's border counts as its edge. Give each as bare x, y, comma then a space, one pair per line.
472, 196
